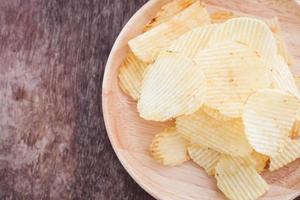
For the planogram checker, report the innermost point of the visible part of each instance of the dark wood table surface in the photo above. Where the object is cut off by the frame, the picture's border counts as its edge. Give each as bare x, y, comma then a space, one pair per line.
53, 142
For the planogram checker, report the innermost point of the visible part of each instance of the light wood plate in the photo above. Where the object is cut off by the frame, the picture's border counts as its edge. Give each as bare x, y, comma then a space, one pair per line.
130, 135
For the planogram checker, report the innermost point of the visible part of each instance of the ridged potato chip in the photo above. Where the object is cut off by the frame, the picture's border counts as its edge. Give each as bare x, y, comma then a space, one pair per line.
190, 43
221, 16
281, 45
260, 161
252, 32
169, 148
148, 45
238, 179
223, 136
168, 11
233, 72
282, 77
173, 86
204, 157
268, 118
290, 153
130, 75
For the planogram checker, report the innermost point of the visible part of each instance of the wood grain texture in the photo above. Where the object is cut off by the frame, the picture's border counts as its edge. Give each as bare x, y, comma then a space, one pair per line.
53, 143
130, 135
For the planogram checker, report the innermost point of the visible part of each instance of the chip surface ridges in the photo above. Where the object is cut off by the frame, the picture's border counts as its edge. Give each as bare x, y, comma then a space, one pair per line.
169, 148
173, 86
148, 45
238, 179
268, 118
290, 153
223, 136
249, 31
204, 157
233, 72
130, 75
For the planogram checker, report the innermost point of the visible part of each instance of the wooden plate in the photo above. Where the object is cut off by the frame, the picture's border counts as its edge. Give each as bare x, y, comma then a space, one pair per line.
130, 135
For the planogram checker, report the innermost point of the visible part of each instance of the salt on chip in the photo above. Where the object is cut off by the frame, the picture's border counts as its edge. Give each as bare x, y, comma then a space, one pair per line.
268, 118
290, 153
130, 75
252, 32
221, 16
169, 148
190, 43
168, 11
233, 72
148, 45
173, 86
238, 179
261, 161
274, 25
281, 75
204, 157
223, 136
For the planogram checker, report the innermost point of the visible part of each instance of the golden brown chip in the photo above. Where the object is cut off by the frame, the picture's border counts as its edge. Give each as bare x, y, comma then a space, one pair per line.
238, 179
148, 45
204, 157
168, 11
260, 161
223, 136
169, 148
130, 75
290, 153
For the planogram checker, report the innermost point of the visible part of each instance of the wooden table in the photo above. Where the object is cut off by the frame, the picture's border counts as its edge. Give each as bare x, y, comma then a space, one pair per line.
53, 143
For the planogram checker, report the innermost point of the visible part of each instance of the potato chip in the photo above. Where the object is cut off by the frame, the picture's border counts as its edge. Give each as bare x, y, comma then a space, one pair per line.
221, 16
131, 75
190, 43
282, 77
214, 113
232, 72
173, 86
268, 118
169, 148
223, 136
281, 45
260, 161
252, 32
238, 179
168, 11
204, 157
290, 153
148, 45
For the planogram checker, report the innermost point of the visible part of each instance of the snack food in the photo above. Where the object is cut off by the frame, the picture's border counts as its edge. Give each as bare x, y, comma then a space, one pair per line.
226, 82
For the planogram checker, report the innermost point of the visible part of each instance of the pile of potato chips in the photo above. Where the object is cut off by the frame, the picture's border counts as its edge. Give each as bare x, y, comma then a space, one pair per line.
226, 81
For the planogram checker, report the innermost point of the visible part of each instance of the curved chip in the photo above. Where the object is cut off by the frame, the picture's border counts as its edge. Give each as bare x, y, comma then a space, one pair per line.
268, 118
238, 179
168, 11
190, 43
252, 32
169, 148
274, 25
204, 157
130, 75
223, 136
173, 86
261, 161
148, 45
295, 133
214, 113
233, 72
290, 153
282, 76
